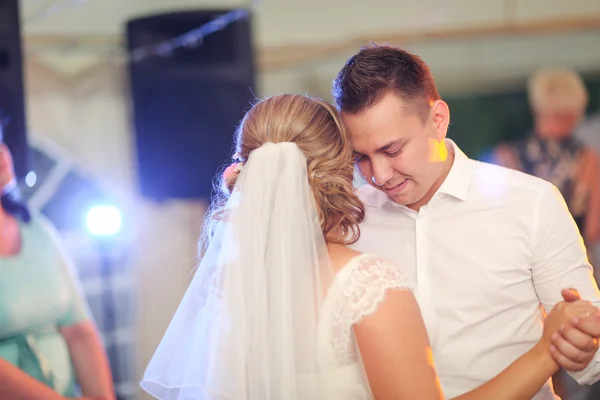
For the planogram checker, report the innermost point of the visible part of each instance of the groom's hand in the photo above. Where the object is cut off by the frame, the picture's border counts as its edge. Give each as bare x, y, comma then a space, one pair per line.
576, 343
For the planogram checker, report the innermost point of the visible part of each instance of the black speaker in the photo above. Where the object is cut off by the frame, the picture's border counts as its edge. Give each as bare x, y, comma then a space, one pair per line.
188, 102
12, 97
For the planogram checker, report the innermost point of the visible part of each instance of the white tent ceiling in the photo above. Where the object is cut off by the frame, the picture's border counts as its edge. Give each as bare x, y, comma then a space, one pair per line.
463, 40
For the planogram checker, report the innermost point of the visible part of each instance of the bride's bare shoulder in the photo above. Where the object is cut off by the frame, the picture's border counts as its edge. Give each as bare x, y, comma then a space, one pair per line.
341, 255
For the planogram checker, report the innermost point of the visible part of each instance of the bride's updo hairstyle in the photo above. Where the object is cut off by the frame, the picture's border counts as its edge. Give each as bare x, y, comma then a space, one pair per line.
316, 128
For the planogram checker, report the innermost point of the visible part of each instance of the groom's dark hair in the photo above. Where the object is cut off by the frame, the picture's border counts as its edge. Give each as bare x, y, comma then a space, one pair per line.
377, 70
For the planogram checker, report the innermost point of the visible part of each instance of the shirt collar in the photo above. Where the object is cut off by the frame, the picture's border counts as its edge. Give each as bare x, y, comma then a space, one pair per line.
456, 183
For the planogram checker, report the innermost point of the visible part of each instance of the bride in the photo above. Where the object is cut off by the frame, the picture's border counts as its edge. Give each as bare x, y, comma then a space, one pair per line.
282, 309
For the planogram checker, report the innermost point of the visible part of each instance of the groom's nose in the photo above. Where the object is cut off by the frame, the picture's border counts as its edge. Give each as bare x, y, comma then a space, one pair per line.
381, 172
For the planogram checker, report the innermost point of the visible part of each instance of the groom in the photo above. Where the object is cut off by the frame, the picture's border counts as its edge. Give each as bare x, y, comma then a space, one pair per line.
490, 248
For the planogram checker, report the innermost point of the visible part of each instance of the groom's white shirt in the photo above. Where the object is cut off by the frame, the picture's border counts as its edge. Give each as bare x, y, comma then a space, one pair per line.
489, 249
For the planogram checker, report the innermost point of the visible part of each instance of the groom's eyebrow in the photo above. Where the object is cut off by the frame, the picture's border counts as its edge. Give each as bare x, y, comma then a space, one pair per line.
387, 146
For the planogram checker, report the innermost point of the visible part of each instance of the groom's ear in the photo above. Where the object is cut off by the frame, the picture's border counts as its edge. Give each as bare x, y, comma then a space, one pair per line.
440, 118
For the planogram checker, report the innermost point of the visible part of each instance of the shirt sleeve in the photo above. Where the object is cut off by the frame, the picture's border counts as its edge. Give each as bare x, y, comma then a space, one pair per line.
560, 262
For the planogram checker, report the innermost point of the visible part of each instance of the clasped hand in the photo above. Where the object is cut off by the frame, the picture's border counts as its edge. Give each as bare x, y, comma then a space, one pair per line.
571, 331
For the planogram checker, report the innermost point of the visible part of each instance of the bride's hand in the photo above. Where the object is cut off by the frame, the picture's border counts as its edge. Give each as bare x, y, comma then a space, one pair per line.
562, 313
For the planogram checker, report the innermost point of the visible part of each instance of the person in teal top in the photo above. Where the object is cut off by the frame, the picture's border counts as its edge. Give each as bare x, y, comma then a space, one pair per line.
49, 348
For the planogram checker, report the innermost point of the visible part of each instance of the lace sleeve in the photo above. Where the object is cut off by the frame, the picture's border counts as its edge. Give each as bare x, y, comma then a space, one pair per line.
362, 289
365, 287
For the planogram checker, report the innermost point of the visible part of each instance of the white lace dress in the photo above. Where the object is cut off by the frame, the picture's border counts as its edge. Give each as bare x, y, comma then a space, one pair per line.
357, 290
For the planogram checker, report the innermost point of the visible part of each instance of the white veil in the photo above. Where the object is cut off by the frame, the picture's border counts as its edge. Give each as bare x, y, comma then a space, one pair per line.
249, 331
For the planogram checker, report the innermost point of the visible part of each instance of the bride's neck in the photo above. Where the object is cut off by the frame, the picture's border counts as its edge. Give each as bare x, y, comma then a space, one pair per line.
335, 242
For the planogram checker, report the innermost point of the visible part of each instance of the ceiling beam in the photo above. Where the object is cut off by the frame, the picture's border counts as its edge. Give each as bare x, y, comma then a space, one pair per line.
272, 58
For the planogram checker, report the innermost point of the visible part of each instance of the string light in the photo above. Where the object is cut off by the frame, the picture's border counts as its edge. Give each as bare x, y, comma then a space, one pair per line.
193, 38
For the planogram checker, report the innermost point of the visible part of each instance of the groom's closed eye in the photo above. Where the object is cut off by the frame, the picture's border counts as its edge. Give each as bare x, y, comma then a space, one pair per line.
394, 152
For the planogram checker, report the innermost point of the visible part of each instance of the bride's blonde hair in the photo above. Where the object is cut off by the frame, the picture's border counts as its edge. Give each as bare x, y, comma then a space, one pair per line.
316, 128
